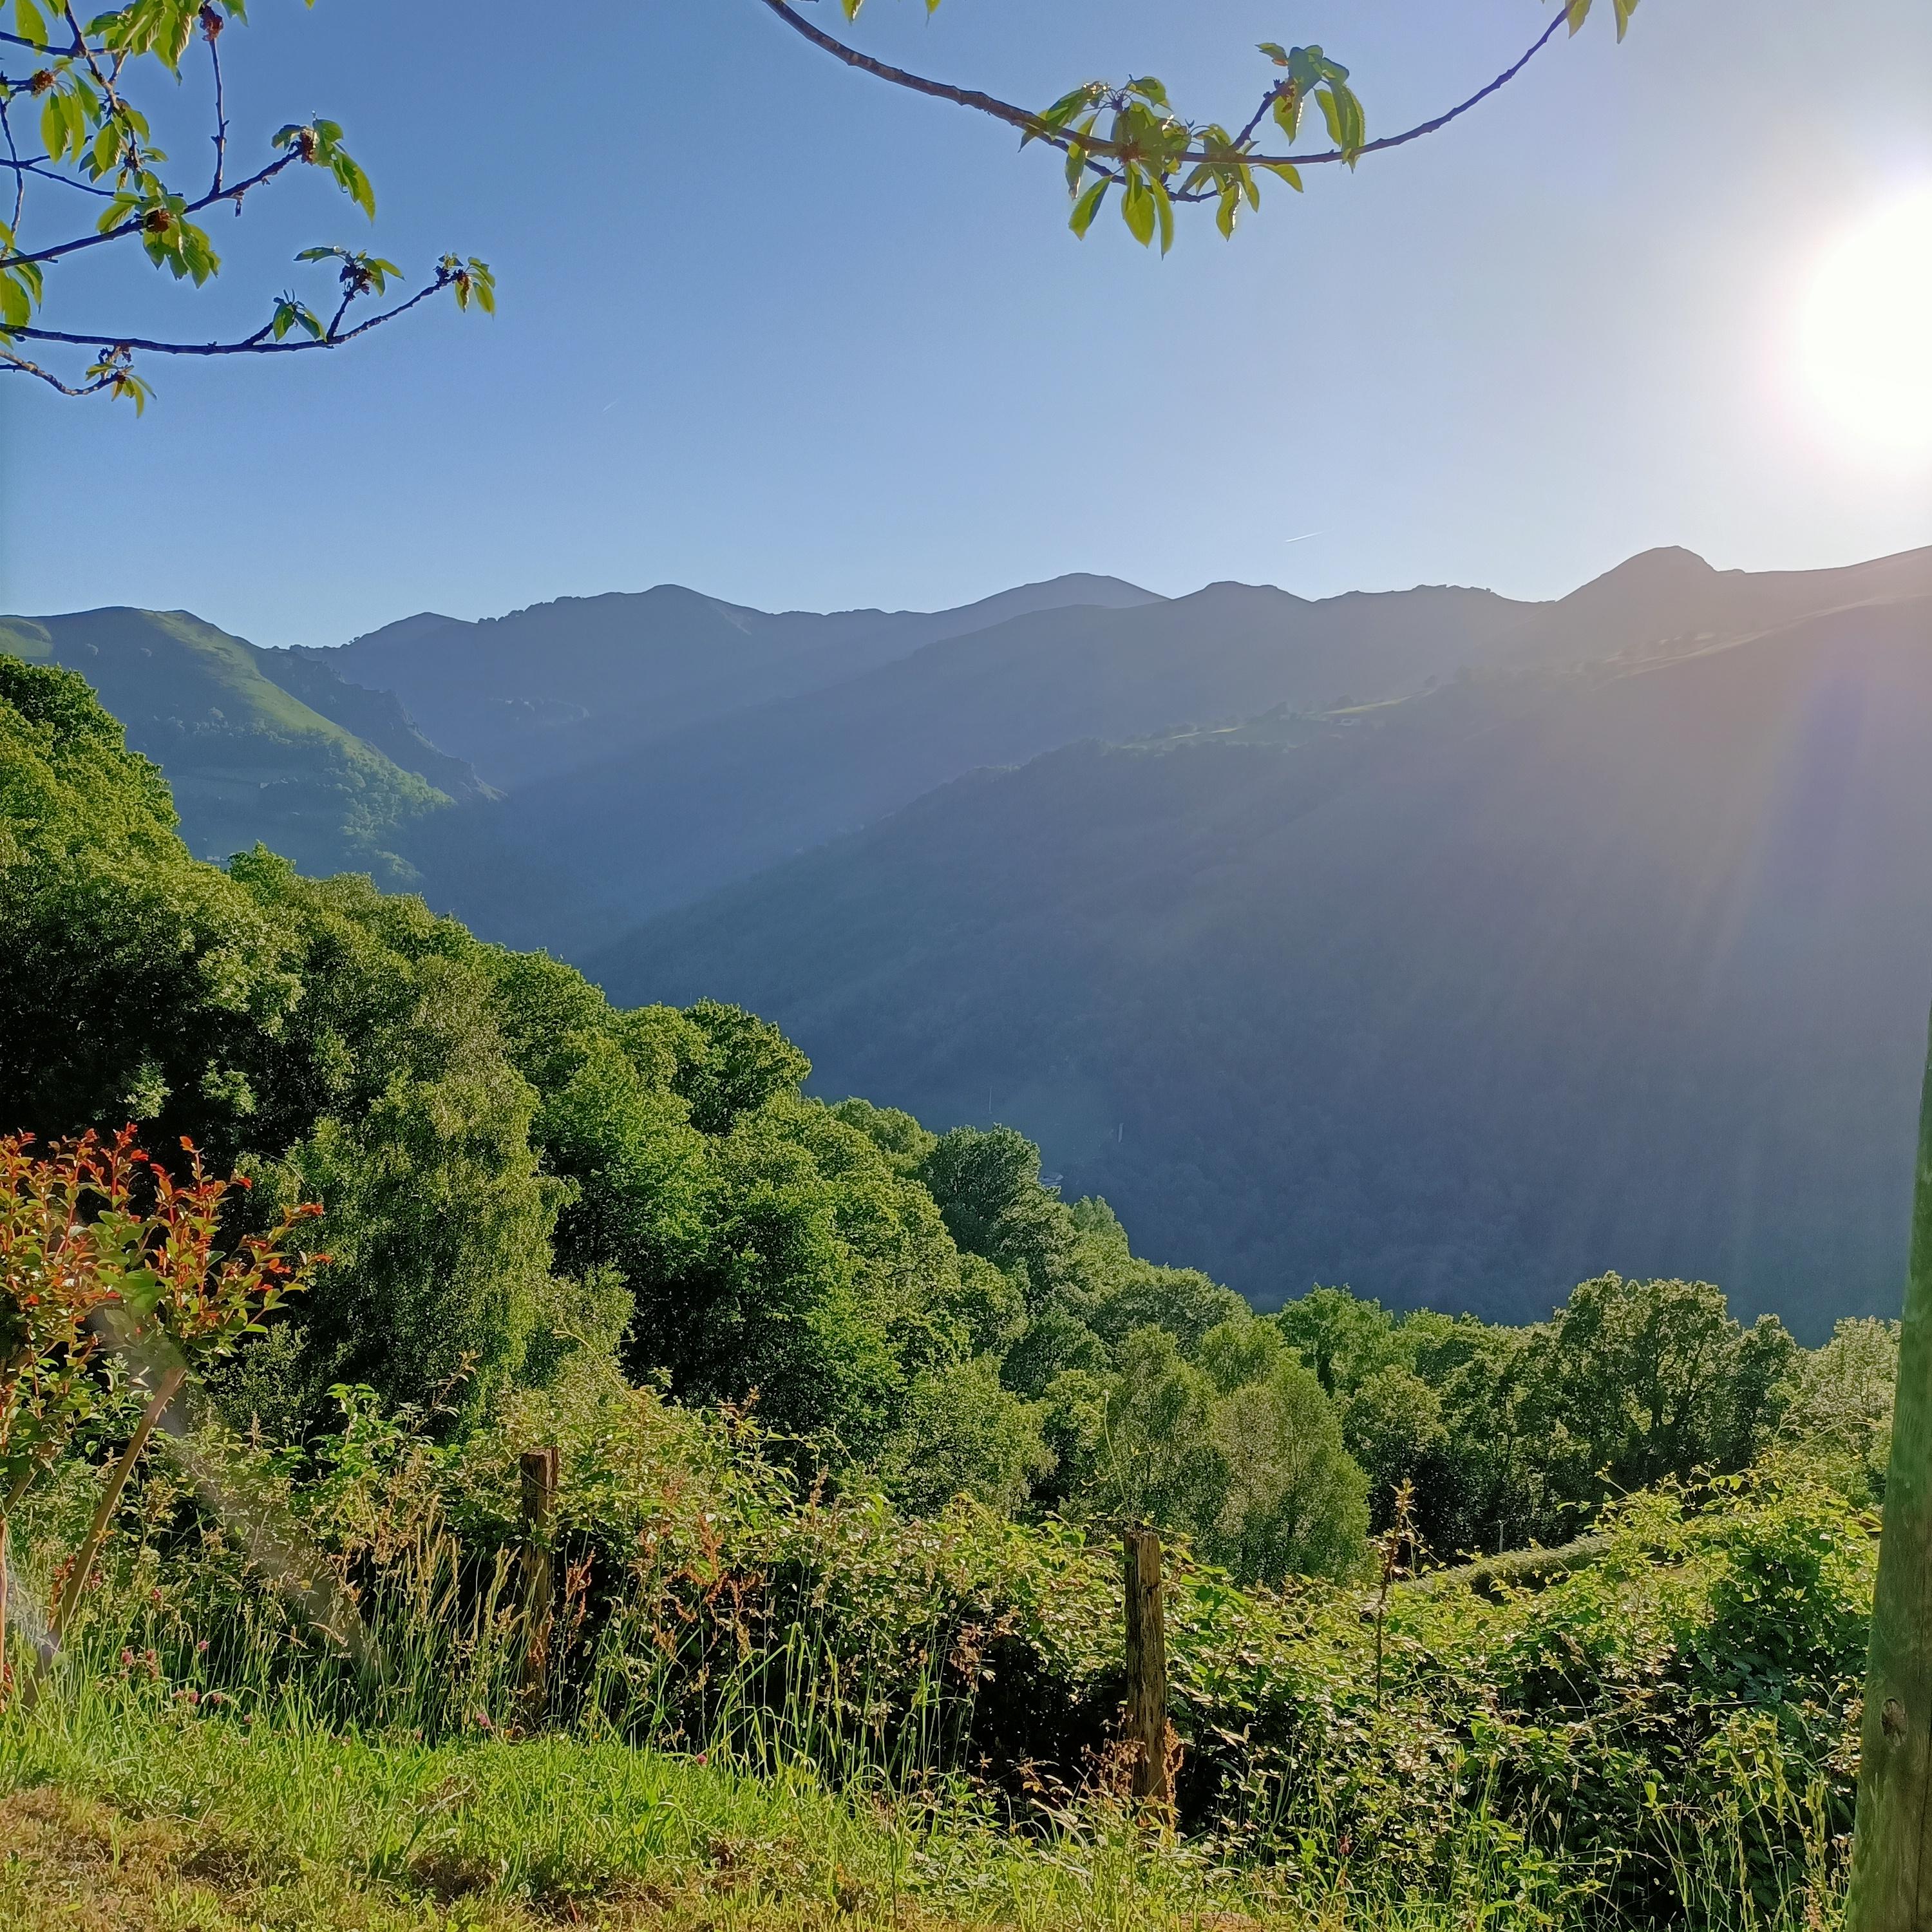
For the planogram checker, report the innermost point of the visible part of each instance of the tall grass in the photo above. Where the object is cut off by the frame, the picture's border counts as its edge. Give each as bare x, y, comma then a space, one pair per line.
929, 1704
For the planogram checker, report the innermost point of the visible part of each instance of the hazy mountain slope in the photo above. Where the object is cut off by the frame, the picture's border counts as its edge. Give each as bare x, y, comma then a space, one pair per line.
719, 800
376, 717
1460, 1001
724, 797
246, 759
1665, 602
559, 685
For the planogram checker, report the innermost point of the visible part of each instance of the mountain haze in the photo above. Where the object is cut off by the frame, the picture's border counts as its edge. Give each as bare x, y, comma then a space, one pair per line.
695, 808
720, 799
560, 685
1460, 998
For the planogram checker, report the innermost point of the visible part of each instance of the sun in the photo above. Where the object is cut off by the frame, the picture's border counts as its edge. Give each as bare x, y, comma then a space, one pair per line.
1867, 328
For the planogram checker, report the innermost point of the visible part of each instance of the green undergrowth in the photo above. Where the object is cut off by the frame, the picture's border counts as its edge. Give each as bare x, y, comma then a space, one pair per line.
1664, 1736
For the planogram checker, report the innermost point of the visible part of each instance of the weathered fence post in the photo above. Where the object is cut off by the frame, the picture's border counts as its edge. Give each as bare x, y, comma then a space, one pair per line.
1892, 1846
1146, 1668
539, 1503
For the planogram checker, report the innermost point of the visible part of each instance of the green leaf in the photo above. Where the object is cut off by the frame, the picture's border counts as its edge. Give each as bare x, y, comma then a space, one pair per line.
1287, 170
107, 148
1148, 89
1137, 208
16, 307
353, 182
1088, 206
1579, 12
1343, 113
1164, 208
1625, 8
30, 23
140, 1290
1228, 211
1287, 110
1275, 52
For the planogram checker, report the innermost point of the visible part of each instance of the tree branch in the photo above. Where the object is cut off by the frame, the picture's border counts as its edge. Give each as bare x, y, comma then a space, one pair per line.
213, 36
1030, 124
256, 344
39, 169
19, 365
20, 168
133, 227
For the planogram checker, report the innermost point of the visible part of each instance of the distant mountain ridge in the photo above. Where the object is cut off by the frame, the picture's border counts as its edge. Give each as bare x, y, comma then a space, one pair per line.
558, 686
720, 798
1460, 997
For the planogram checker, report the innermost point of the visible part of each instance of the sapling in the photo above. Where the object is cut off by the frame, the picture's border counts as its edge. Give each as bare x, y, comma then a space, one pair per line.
113, 1283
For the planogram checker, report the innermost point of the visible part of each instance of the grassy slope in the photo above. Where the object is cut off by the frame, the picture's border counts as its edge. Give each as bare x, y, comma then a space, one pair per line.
123, 1810
246, 760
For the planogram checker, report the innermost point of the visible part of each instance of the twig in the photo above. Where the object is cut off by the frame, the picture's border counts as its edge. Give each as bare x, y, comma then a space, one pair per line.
20, 365
249, 345
211, 32
134, 226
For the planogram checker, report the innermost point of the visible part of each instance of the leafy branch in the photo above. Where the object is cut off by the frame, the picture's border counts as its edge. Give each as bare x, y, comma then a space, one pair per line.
93, 140
1155, 158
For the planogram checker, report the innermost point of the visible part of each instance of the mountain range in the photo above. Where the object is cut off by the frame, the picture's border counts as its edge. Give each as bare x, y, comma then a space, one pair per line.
1450, 945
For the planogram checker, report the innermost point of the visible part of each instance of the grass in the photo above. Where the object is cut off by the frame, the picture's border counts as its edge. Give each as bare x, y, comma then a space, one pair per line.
121, 1806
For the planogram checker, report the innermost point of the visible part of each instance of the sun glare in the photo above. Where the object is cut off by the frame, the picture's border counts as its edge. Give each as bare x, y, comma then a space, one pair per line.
1868, 328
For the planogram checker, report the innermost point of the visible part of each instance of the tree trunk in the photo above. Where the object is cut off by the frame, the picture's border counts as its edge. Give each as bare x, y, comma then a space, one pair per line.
1891, 1850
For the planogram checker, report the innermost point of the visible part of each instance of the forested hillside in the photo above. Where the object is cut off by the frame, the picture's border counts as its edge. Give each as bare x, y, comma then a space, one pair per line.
1457, 999
257, 745
517, 1177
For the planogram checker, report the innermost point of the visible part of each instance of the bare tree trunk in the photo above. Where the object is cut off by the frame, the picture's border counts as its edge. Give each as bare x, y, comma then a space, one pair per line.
1891, 1850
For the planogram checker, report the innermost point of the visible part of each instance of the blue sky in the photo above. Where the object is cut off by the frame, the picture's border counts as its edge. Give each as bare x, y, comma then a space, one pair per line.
773, 331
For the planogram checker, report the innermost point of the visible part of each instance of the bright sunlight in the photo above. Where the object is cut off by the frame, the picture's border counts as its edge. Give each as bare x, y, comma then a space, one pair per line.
1868, 328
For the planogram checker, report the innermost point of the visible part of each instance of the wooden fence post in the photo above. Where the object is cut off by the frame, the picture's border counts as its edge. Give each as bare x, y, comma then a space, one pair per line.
1146, 1668
1892, 1846
539, 1467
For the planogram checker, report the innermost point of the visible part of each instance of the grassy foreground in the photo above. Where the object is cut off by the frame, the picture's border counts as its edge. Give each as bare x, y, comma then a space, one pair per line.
119, 1808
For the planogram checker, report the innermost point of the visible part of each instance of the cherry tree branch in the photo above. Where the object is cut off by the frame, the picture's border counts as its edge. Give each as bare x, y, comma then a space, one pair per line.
19, 365
256, 344
134, 226
1030, 124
